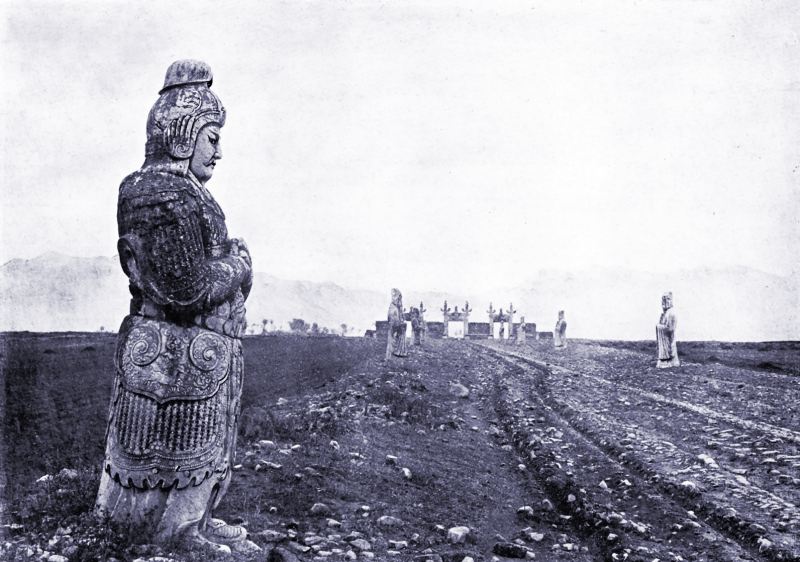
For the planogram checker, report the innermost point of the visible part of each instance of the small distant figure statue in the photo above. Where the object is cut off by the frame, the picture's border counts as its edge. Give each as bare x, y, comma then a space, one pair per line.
560, 332
423, 325
415, 325
665, 335
521, 331
396, 344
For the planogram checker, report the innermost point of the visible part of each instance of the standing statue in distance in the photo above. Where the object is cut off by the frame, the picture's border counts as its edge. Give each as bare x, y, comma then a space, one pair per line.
665, 335
560, 332
416, 325
423, 325
521, 331
171, 433
396, 344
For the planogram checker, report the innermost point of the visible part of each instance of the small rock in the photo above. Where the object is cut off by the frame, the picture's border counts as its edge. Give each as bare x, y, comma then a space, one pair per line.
297, 547
406, 473
272, 536
708, 460
459, 390
334, 523
282, 555
282, 401
603, 485
267, 444
68, 473
398, 545
389, 521
335, 444
311, 540
57, 558
510, 550
44, 479
457, 535
526, 511
320, 509
391, 460
361, 544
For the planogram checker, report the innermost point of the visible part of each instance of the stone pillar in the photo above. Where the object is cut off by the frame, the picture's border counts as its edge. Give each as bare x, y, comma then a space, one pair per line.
491, 313
511, 312
446, 317
467, 310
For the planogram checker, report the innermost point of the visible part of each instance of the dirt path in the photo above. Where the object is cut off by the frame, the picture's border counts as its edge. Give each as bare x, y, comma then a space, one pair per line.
395, 441
737, 476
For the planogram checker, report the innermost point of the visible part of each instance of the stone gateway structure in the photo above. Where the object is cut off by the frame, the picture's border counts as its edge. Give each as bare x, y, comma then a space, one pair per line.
456, 324
665, 335
171, 433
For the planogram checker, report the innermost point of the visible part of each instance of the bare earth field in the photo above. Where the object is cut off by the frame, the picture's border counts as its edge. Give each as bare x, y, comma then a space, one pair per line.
584, 454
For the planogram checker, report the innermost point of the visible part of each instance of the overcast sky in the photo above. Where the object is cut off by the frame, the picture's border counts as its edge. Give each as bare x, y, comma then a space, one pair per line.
445, 146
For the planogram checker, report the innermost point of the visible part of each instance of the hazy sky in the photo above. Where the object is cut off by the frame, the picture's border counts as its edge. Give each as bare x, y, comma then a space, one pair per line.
447, 146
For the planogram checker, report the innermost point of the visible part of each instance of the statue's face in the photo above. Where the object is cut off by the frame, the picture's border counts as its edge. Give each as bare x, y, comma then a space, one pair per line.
206, 153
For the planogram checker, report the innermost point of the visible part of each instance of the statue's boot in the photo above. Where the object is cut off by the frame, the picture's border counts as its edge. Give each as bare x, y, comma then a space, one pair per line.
233, 536
195, 537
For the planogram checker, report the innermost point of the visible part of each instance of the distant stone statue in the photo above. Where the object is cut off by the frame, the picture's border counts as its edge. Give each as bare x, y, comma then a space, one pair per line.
171, 434
423, 325
665, 335
560, 332
521, 331
396, 344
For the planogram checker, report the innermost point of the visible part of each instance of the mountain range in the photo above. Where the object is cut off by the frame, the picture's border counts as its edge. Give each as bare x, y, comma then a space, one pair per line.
54, 292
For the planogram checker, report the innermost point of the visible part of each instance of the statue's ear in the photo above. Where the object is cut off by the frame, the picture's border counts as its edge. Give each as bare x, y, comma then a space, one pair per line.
178, 137
127, 247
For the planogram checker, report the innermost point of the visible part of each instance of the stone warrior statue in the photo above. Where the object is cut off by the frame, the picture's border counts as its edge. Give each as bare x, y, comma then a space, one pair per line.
560, 332
396, 344
417, 328
665, 335
171, 433
521, 331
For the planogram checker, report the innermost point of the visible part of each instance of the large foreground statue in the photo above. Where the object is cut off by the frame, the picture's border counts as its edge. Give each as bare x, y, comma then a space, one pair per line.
665, 335
171, 433
396, 344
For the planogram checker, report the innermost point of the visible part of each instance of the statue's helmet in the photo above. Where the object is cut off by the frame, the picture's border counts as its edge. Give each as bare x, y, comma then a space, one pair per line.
397, 296
185, 105
666, 300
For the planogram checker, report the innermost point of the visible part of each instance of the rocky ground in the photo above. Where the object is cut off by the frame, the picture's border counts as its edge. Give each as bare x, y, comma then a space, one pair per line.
462, 451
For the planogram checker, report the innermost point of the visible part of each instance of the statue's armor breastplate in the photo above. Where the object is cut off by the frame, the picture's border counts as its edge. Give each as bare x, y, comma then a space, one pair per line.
178, 359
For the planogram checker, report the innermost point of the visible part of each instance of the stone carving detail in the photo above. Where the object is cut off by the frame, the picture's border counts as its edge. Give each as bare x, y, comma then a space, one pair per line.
172, 424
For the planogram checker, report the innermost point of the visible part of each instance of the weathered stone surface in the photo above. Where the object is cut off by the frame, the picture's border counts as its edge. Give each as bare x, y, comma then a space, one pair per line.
179, 360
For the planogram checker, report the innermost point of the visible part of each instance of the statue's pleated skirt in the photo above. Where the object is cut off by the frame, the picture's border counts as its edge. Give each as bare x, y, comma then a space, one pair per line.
166, 511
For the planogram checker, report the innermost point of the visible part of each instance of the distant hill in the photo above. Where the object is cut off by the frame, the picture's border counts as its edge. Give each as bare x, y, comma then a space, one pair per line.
55, 292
